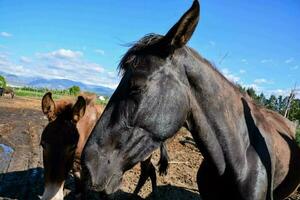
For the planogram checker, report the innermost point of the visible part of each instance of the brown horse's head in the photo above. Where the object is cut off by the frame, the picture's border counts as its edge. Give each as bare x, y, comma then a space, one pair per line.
59, 142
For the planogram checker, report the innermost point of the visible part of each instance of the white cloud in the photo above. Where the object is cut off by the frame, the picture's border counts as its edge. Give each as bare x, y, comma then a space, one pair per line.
258, 84
259, 81
278, 92
256, 87
25, 59
62, 54
245, 61
100, 51
61, 64
287, 61
5, 34
3, 56
212, 43
262, 81
10, 67
266, 61
232, 77
242, 71
295, 67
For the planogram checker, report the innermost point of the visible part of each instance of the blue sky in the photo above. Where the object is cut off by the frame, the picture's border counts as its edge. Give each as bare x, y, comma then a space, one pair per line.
84, 40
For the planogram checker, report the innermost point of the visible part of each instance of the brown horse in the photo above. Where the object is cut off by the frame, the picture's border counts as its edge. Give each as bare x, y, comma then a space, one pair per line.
6, 92
64, 138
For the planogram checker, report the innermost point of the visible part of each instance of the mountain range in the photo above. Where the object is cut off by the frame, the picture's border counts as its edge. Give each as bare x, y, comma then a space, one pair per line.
39, 82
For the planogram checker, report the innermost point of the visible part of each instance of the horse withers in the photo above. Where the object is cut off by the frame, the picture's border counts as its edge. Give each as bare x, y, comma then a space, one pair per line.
250, 153
64, 138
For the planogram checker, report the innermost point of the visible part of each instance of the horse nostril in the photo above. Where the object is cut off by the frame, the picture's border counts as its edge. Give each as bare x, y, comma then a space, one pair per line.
108, 162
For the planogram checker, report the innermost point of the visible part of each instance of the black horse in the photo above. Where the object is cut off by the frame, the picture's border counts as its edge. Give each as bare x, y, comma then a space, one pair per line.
250, 152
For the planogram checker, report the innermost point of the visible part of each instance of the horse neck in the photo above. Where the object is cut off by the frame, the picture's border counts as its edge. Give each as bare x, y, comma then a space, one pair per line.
216, 112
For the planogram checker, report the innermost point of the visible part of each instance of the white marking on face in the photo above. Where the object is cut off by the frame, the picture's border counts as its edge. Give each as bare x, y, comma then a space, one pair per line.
53, 192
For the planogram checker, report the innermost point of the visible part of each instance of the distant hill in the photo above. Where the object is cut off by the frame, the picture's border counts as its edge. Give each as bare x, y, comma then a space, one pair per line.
55, 83
38, 82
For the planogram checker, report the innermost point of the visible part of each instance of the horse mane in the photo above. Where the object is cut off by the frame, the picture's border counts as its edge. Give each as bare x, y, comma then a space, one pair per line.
131, 59
215, 69
63, 107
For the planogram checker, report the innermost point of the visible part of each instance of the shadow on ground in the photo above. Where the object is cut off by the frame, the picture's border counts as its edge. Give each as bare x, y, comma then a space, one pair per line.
166, 192
24, 185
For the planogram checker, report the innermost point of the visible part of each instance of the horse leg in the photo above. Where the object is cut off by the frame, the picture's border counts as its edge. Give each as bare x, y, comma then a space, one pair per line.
152, 175
213, 186
163, 161
147, 170
208, 182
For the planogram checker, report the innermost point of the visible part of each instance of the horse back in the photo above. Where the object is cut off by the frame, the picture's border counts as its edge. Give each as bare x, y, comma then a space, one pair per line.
271, 122
279, 134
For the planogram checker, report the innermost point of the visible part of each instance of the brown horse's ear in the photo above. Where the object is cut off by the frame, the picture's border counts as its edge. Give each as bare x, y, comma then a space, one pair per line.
48, 106
79, 109
183, 30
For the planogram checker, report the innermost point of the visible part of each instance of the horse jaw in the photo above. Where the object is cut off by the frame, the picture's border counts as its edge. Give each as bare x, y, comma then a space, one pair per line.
53, 191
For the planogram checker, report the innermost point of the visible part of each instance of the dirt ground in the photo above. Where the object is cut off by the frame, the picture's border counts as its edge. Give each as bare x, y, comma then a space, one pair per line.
21, 172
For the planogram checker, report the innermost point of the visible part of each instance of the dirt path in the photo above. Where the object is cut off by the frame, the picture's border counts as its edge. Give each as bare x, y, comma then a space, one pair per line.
20, 128
21, 173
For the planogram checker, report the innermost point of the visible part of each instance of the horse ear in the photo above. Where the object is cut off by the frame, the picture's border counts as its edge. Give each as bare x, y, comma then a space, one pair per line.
79, 109
183, 30
48, 106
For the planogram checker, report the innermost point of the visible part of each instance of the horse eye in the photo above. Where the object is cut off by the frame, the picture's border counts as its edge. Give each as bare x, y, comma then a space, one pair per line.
135, 90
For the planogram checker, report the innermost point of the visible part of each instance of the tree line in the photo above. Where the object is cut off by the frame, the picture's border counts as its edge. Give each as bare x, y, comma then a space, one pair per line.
74, 90
288, 106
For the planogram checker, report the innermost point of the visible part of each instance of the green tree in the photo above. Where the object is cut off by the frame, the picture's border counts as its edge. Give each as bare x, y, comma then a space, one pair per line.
262, 99
251, 92
2, 82
281, 104
241, 88
74, 90
294, 112
271, 103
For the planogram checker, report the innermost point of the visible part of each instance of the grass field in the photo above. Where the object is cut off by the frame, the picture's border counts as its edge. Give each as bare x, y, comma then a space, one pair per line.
55, 95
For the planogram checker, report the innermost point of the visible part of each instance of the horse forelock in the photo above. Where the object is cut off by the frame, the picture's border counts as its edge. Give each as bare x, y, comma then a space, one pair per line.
131, 59
63, 108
